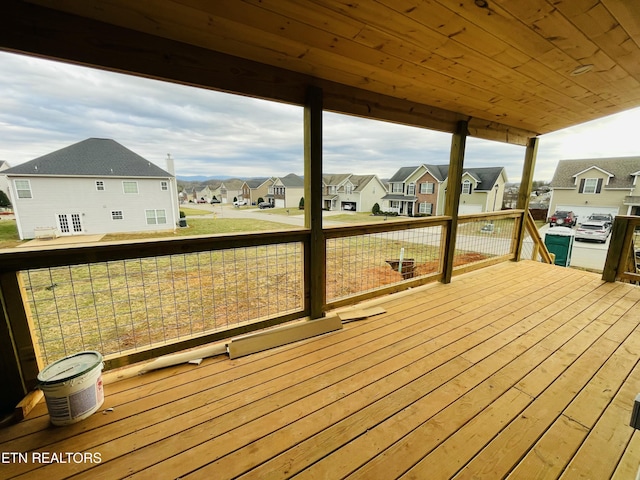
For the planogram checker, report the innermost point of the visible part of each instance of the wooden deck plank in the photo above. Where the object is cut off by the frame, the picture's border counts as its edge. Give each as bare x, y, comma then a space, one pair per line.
152, 420
504, 452
519, 369
549, 456
398, 459
156, 382
349, 455
195, 454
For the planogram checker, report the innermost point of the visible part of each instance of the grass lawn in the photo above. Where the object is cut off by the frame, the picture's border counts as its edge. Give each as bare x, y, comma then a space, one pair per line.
9, 234
205, 226
190, 212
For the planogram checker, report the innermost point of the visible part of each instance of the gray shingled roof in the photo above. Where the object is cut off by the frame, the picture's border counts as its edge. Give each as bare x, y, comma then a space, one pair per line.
402, 174
256, 182
335, 178
486, 175
622, 169
439, 171
360, 181
96, 157
292, 180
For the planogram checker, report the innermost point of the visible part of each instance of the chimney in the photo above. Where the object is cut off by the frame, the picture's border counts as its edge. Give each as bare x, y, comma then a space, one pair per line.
170, 166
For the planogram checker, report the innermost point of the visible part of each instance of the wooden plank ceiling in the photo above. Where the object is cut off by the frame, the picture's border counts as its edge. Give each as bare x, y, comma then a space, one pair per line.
509, 65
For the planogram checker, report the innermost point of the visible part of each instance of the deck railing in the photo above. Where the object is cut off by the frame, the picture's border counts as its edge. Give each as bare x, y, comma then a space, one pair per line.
138, 300
623, 256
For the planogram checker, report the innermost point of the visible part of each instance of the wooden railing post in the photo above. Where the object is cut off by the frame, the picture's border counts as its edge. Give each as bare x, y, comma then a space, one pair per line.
19, 361
452, 200
524, 192
315, 260
616, 245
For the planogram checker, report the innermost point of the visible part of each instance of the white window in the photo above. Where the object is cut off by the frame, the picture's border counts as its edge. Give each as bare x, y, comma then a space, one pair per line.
129, 186
427, 188
466, 186
23, 188
411, 189
164, 185
397, 188
426, 207
332, 189
116, 215
348, 189
99, 185
156, 217
590, 185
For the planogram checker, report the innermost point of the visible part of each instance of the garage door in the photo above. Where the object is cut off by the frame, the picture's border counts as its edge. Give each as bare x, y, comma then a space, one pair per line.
279, 203
469, 208
583, 211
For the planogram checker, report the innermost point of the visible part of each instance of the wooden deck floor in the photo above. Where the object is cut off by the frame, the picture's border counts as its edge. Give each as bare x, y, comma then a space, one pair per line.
520, 370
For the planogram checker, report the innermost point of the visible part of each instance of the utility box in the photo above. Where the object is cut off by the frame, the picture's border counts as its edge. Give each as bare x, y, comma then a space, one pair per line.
559, 241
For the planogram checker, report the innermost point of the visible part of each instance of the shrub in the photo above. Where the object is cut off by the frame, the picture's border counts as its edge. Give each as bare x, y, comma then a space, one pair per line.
376, 209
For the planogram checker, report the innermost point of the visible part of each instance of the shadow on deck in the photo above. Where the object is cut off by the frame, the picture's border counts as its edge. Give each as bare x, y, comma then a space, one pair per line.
520, 369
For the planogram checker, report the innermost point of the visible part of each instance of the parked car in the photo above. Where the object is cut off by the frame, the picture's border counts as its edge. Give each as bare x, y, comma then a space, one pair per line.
601, 217
594, 230
239, 203
262, 205
564, 218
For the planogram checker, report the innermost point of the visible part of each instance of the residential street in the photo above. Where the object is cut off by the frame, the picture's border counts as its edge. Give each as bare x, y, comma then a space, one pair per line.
585, 254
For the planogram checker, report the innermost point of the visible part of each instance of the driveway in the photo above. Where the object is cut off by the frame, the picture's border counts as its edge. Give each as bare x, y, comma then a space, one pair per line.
586, 254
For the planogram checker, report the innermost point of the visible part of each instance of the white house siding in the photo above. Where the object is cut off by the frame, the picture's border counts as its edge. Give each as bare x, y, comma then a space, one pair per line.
52, 196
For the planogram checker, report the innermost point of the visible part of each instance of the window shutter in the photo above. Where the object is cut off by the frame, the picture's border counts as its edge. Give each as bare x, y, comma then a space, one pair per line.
599, 186
581, 186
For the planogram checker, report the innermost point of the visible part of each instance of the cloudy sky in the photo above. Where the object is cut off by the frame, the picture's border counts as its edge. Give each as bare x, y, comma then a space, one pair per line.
47, 105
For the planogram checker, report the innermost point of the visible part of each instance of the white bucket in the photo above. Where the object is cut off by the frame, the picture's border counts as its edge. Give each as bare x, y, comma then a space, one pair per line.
72, 387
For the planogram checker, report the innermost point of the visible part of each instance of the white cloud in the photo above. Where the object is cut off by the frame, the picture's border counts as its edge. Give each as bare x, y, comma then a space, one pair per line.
48, 105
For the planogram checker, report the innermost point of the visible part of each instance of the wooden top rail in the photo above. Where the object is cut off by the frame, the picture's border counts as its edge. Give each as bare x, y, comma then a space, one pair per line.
393, 226
17, 259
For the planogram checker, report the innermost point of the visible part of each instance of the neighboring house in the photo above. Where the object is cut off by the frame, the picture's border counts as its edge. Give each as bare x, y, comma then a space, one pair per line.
257, 188
421, 190
357, 193
288, 190
206, 194
597, 185
482, 190
230, 189
4, 184
95, 186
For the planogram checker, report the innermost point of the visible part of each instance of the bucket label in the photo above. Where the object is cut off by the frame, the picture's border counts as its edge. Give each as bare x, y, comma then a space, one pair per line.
58, 407
82, 401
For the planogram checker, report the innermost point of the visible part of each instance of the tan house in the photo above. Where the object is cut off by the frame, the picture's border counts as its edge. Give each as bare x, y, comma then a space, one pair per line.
230, 189
255, 189
288, 190
597, 185
357, 193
